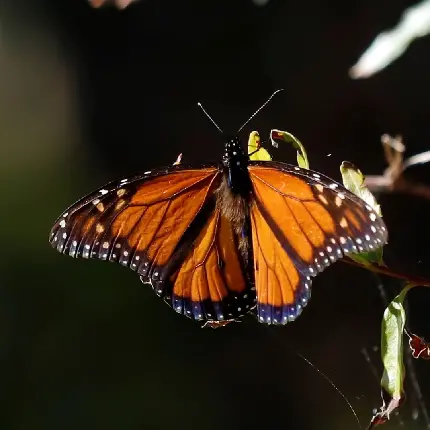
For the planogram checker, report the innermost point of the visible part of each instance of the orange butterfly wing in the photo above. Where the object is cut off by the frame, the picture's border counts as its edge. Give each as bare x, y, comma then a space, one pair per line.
302, 222
210, 283
165, 226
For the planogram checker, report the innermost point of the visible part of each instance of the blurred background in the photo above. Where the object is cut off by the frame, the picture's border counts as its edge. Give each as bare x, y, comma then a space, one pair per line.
91, 94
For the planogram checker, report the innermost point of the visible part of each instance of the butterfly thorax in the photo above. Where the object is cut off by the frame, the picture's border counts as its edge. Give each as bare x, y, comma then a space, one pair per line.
235, 164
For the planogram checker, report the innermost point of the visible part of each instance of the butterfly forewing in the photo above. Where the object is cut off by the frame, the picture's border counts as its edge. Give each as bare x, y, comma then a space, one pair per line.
302, 222
109, 219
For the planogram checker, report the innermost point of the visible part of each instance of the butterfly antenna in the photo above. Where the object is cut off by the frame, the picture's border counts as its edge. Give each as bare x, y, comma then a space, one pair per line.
260, 108
212, 121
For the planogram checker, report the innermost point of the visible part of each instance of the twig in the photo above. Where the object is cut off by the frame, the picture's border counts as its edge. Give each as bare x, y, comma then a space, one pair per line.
393, 180
415, 280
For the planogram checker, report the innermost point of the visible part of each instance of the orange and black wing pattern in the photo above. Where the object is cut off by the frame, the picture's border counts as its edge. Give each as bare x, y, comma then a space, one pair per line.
210, 283
302, 221
165, 226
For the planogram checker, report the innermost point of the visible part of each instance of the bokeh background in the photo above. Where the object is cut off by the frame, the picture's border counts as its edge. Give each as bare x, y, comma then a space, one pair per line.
88, 95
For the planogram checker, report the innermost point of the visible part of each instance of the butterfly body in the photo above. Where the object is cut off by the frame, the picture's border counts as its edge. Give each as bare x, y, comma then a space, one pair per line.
219, 241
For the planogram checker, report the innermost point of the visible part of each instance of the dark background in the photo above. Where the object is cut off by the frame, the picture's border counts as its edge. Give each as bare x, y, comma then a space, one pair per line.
88, 95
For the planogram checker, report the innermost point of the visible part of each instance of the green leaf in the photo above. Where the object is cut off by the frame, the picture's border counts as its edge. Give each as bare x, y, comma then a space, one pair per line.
302, 158
368, 258
393, 324
353, 180
255, 150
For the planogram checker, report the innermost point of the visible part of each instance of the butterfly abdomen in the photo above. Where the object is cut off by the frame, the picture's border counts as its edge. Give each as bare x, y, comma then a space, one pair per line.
234, 207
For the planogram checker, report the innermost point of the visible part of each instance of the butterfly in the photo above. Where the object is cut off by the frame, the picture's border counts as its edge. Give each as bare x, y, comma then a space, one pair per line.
221, 240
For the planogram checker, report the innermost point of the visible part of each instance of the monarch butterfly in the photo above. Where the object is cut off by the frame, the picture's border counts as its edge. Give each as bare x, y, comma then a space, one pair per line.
221, 240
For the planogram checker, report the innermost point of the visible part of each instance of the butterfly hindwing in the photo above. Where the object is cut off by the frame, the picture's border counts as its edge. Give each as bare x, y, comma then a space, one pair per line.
302, 222
209, 284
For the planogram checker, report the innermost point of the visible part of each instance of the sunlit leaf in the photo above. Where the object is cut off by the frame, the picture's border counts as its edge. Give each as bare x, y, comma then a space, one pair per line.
393, 324
302, 158
353, 180
369, 258
255, 151
178, 160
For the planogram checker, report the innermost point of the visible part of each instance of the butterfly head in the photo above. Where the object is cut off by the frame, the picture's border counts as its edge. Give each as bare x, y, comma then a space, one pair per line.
234, 155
